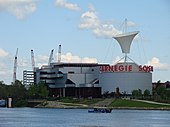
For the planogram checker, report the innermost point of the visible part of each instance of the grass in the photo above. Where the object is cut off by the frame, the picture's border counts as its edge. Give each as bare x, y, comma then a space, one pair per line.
131, 103
80, 101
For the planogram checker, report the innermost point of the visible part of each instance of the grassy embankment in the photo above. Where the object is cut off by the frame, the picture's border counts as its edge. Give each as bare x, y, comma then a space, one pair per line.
121, 103
114, 103
70, 101
118, 103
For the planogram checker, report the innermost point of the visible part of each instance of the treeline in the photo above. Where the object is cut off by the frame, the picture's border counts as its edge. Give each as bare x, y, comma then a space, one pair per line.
159, 94
18, 91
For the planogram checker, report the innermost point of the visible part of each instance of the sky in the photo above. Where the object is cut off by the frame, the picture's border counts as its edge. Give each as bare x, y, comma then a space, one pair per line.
85, 30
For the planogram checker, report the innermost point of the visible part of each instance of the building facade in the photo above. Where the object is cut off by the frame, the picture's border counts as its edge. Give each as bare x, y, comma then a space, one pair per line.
71, 79
125, 76
93, 79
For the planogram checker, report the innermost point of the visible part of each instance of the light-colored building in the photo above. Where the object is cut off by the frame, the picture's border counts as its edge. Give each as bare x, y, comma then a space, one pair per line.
61, 75
125, 76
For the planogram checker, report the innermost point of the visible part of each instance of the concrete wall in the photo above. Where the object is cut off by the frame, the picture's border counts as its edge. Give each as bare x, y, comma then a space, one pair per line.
126, 81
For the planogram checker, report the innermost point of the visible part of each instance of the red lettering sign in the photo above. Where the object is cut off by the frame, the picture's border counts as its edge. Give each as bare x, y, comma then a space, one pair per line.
125, 68
146, 68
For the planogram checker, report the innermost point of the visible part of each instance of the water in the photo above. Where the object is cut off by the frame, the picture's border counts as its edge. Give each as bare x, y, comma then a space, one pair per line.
34, 117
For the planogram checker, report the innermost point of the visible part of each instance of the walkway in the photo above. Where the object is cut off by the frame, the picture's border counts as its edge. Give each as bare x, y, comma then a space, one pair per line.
152, 102
106, 102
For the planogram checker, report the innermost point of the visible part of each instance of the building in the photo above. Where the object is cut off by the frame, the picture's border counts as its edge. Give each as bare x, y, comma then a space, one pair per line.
71, 79
125, 76
28, 78
159, 83
93, 79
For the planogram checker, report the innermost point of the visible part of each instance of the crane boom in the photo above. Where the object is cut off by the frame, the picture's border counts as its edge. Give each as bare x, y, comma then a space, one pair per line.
51, 57
15, 67
59, 54
32, 59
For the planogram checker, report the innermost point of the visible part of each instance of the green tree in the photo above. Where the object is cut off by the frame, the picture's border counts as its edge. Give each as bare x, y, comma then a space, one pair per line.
140, 92
39, 90
146, 93
16, 90
137, 93
161, 90
43, 91
3, 90
168, 94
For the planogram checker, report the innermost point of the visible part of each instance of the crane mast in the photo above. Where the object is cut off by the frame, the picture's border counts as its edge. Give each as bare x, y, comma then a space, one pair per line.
15, 67
32, 59
59, 54
51, 57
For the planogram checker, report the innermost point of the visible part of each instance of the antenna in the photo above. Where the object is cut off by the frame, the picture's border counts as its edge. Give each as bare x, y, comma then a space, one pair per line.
125, 25
51, 57
32, 59
15, 67
59, 54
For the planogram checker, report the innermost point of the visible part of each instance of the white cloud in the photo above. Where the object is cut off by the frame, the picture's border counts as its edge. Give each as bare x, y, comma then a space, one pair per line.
3, 53
22, 62
68, 57
117, 59
2, 65
131, 24
90, 21
65, 4
41, 60
155, 62
89, 60
5, 70
19, 8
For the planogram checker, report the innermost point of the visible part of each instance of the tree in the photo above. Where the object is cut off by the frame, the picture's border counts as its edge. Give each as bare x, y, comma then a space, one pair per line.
137, 93
3, 90
38, 90
146, 93
43, 90
168, 94
17, 90
161, 91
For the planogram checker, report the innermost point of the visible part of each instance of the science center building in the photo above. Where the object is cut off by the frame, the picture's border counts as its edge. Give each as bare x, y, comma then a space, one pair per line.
94, 79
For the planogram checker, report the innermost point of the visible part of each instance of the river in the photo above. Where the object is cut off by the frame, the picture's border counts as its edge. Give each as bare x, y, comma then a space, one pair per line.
37, 117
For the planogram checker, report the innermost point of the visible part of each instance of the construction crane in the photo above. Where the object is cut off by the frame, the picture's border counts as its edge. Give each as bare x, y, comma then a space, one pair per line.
51, 57
32, 59
59, 54
15, 67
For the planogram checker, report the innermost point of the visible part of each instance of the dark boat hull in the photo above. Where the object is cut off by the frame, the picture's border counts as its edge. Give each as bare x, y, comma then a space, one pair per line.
101, 110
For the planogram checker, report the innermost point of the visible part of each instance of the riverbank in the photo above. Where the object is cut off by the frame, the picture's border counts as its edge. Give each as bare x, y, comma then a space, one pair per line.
105, 103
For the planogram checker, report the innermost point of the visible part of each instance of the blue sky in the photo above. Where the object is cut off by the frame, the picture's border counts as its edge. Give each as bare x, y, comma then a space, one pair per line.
85, 29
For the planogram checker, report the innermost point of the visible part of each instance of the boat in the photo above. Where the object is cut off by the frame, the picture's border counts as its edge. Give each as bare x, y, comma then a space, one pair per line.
100, 110
2, 103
